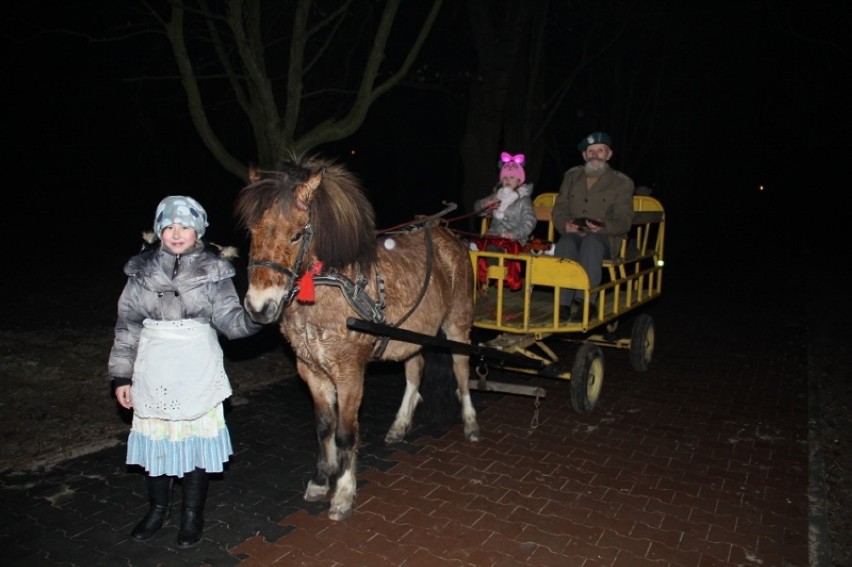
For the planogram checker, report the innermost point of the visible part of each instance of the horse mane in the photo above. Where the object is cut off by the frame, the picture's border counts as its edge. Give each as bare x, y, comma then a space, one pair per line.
342, 216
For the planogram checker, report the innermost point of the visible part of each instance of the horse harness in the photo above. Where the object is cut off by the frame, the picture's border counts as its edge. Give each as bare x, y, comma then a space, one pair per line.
354, 292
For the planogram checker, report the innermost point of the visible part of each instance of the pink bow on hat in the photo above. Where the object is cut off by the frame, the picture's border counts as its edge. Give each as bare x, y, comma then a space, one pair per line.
512, 166
506, 157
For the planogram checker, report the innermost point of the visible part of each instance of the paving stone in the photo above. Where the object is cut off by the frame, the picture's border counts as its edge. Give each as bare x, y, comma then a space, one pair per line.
702, 460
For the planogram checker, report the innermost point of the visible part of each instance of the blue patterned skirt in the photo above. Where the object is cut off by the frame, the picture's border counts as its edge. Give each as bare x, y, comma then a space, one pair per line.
178, 447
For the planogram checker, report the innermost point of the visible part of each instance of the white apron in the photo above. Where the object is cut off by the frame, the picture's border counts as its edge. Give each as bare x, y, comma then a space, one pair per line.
179, 373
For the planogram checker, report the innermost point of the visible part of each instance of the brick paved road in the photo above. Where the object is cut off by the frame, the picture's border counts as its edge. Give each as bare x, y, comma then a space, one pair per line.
701, 461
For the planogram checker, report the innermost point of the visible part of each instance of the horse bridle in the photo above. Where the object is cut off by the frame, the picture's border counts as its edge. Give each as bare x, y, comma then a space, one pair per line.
355, 293
307, 235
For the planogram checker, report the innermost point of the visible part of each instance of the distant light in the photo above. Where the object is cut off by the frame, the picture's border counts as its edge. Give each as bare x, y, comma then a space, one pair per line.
760, 187
352, 152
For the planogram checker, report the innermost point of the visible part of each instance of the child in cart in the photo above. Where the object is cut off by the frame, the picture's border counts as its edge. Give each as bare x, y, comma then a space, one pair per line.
512, 217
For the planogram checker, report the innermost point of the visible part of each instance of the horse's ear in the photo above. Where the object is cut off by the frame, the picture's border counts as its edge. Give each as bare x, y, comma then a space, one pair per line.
304, 193
253, 174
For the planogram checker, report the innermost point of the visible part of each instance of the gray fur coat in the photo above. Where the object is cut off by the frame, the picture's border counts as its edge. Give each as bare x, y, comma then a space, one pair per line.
518, 219
202, 289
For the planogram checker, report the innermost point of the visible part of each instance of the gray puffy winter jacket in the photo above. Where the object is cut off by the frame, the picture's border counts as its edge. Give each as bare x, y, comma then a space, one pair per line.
519, 219
202, 289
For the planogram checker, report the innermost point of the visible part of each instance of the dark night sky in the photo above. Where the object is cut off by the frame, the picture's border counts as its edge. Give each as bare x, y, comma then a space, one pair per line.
84, 155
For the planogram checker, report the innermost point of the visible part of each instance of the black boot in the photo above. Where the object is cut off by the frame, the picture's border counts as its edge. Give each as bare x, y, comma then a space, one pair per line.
192, 514
159, 493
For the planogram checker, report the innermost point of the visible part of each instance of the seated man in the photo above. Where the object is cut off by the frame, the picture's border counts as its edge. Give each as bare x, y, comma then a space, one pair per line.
592, 213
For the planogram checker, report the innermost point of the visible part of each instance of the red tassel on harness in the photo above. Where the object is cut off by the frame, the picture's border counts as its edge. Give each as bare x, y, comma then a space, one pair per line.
306, 284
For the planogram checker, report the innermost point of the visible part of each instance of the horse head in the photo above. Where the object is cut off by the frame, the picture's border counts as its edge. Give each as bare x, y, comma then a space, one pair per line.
275, 208
298, 215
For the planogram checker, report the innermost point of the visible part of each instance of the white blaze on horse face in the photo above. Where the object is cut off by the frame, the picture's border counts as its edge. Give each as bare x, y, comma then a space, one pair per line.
258, 299
265, 295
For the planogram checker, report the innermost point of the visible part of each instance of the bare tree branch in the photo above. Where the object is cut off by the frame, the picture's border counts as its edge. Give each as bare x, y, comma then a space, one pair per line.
175, 33
239, 36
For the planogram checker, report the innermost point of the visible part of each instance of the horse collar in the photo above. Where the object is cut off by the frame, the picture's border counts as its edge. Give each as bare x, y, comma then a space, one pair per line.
355, 293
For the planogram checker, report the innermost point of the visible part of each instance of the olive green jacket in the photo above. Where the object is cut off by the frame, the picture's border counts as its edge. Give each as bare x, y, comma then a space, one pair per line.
609, 200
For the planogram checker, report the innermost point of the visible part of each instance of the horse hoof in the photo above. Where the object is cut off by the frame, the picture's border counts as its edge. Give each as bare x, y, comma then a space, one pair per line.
392, 438
315, 493
472, 436
339, 514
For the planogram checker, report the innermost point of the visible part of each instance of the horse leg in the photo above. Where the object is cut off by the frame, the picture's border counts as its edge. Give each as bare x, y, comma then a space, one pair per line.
349, 395
405, 414
461, 368
324, 395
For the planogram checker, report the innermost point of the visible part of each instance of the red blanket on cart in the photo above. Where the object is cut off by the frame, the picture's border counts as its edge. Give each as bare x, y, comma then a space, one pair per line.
514, 278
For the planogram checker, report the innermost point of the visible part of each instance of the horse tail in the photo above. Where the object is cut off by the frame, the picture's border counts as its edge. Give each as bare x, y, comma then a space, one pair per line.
440, 406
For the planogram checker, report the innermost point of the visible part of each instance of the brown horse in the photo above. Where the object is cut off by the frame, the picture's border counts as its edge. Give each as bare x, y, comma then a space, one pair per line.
315, 260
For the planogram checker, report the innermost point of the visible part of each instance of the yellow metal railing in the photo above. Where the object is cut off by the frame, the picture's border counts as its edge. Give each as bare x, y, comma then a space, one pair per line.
634, 278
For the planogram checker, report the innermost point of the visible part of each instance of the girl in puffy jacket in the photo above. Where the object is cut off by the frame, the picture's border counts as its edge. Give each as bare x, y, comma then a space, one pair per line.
512, 218
167, 365
510, 203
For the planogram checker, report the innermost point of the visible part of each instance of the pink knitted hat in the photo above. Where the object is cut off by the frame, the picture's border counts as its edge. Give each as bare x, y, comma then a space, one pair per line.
512, 166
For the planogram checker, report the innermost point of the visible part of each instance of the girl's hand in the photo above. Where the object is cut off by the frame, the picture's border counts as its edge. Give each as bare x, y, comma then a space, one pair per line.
122, 394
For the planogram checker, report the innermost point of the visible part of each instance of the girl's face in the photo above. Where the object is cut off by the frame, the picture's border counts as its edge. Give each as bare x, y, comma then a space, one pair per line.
511, 182
178, 238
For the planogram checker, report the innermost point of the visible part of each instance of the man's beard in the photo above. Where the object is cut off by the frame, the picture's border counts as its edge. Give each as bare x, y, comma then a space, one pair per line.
596, 167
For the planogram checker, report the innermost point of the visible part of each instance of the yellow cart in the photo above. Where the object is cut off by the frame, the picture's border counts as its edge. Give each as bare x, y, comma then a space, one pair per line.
522, 321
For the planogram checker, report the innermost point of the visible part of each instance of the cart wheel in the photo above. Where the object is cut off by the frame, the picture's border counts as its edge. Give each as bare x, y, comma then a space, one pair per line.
587, 377
642, 342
